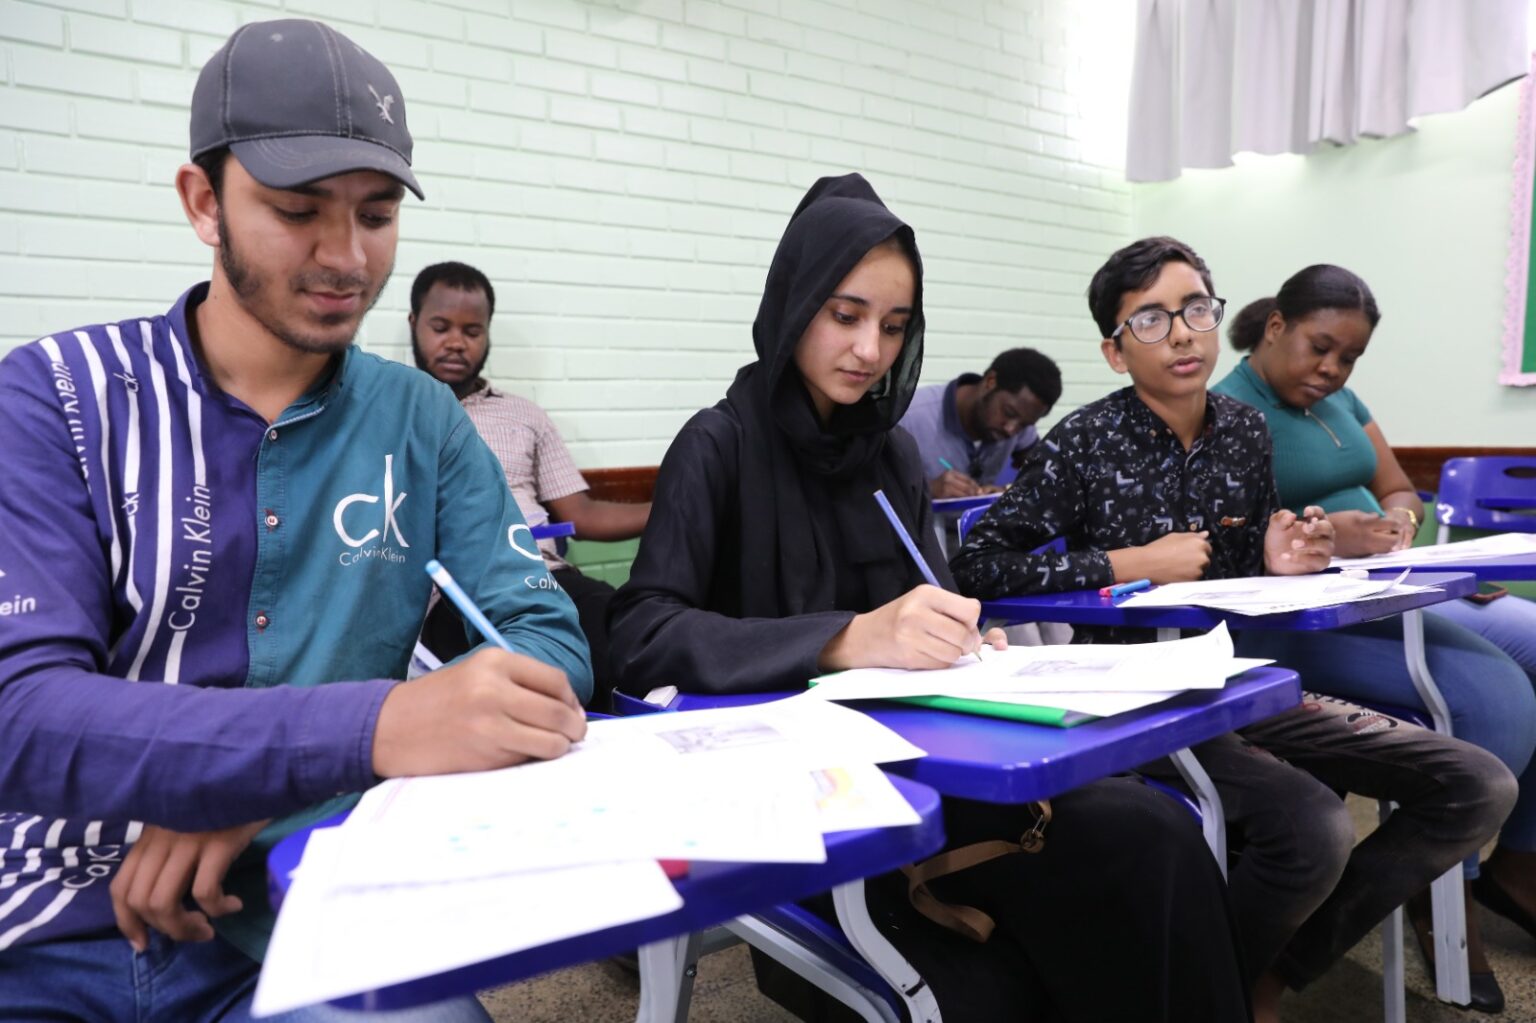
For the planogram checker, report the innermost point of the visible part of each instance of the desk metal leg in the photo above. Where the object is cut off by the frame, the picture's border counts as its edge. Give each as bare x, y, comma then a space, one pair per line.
1393, 994
667, 969
1212, 822
809, 964
1167, 635
1452, 981
941, 530
853, 916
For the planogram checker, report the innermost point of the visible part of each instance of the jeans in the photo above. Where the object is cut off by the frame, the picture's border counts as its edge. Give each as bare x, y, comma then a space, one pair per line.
1452, 797
1303, 893
1492, 702
1509, 623
100, 979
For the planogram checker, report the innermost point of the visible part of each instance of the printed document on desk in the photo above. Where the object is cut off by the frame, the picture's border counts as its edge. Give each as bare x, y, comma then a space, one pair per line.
1200, 662
799, 730
1270, 594
580, 809
1501, 545
1104, 704
333, 940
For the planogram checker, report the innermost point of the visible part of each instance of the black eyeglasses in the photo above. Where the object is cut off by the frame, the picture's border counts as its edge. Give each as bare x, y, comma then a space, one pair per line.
1149, 326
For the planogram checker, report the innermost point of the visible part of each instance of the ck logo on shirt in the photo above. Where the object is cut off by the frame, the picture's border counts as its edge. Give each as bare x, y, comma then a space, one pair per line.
380, 524
532, 550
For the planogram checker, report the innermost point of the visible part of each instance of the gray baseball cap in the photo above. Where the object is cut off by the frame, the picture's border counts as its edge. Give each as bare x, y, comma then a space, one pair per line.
297, 101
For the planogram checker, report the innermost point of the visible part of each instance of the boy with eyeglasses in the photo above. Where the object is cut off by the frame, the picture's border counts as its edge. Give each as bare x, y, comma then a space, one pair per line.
1165, 481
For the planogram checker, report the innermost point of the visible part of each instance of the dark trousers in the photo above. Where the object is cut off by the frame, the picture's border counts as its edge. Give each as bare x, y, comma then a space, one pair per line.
1303, 893
443, 632
1121, 916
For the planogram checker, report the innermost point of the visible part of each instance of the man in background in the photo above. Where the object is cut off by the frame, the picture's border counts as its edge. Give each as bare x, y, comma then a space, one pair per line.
969, 430
450, 320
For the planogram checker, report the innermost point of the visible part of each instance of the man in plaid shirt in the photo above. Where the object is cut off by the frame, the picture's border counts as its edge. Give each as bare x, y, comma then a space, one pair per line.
451, 308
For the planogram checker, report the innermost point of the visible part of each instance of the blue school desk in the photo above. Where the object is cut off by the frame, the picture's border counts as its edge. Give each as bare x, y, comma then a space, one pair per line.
1512, 502
713, 893
947, 510
1004, 761
1518, 568
956, 505
1086, 607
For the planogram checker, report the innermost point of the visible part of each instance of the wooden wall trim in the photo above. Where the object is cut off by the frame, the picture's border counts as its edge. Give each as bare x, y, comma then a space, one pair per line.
628, 485
1423, 464
634, 484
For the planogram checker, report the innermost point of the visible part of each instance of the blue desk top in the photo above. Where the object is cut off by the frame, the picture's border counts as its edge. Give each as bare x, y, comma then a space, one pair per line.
712, 893
1493, 570
956, 505
1086, 607
1003, 761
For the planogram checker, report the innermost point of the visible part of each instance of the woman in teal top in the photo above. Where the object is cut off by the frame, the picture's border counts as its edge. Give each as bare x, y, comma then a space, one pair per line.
1303, 344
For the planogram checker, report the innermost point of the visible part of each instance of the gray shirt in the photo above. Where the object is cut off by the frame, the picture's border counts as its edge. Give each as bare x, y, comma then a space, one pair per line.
935, 425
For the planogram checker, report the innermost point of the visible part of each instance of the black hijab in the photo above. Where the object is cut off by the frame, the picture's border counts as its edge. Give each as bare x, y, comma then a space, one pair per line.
810, 528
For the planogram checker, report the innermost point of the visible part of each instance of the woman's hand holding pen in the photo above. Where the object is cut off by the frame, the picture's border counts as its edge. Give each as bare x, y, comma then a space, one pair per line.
492, 709
927, 627
1298, 545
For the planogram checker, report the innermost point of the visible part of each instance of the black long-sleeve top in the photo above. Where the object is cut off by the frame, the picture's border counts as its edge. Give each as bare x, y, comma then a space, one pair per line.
1113, 475
677, 620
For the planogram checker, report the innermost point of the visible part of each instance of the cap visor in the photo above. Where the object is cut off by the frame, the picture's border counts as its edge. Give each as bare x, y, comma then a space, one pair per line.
303, 159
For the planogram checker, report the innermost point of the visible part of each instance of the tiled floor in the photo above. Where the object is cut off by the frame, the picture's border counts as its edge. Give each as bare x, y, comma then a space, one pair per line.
726, 993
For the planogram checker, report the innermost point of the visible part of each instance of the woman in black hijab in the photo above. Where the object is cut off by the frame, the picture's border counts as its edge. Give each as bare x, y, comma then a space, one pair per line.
766, 562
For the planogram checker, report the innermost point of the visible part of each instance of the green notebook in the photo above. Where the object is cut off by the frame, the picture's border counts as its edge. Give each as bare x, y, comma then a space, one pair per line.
1012, 711
1054, 716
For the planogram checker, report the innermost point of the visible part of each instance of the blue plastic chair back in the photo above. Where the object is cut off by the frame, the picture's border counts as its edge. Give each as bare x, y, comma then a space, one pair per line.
968, 519
1471, 488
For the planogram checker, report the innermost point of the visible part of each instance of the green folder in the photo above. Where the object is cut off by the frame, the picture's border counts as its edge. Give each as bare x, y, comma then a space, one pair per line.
1054, 716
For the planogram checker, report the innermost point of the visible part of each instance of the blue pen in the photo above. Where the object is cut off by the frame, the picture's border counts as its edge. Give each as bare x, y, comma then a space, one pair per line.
466, 606
946, 464
906, 539
1124, 588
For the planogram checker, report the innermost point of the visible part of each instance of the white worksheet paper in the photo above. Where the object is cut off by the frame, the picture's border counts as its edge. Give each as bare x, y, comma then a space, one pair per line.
1271, 594
581, 809
1501, 545
1200, 662
332, 940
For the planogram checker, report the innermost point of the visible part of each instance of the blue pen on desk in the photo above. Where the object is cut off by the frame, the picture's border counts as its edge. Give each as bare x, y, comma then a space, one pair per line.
1123, 588
906, 538
466, 606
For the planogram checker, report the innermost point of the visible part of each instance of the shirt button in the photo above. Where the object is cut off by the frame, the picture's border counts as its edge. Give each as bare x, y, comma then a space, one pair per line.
271, 435
271, 520
262, 621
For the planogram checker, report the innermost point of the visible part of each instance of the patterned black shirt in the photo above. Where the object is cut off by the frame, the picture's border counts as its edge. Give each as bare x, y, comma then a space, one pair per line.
1112, 475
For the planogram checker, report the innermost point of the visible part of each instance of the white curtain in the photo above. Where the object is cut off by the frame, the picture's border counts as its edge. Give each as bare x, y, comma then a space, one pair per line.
1216, 77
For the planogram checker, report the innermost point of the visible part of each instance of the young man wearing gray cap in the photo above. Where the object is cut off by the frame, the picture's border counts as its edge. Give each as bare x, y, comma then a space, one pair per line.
231, 505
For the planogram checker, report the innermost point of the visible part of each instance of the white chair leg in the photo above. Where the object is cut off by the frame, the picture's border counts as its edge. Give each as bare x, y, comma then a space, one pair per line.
667, 969
853, 916
1453, 982
1393, 983
811, 966
1212, 822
